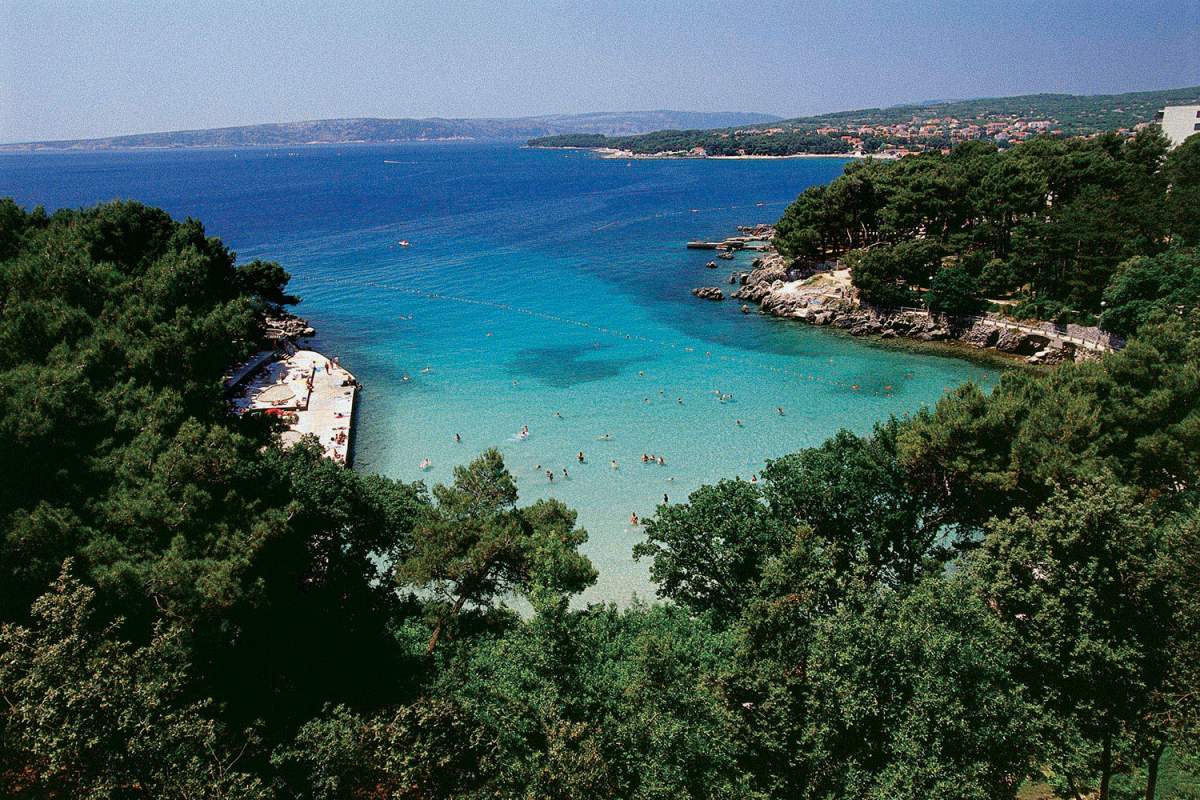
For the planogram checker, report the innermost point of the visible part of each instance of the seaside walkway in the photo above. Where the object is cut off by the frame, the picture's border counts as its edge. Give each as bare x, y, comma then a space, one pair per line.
312, 394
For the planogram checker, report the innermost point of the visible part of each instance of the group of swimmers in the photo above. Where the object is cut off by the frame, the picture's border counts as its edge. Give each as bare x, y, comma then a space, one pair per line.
653, 459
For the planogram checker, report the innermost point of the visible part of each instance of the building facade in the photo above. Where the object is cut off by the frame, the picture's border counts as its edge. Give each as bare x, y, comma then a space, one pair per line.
1179, 122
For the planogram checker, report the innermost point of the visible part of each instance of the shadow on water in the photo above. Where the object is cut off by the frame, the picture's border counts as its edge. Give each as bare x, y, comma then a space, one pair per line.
567, 366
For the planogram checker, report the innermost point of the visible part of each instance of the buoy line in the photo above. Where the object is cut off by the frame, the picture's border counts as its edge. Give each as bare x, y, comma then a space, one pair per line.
612, 332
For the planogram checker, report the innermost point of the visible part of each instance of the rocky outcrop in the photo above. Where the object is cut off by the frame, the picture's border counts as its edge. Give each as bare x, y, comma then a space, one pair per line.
1021, 343
821, 294
282, 325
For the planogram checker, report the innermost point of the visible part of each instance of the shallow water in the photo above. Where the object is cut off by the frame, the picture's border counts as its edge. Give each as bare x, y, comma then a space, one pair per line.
536, 282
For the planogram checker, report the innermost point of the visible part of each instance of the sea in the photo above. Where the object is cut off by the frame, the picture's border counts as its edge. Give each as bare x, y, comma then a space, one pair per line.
546, 290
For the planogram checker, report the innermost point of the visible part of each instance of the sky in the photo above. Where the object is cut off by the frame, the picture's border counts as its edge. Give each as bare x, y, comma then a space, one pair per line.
87, 68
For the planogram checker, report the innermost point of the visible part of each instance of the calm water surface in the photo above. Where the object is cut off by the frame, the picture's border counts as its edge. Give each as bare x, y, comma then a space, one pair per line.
541, 288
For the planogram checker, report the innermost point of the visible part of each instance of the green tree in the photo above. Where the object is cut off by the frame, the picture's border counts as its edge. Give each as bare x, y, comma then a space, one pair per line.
477, 546
1146, 287
89, 715
1075, 584
1182, 170
708, 553
910, 698
955, 291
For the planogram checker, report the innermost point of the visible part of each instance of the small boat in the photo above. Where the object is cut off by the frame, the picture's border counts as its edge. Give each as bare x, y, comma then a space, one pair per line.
403, 242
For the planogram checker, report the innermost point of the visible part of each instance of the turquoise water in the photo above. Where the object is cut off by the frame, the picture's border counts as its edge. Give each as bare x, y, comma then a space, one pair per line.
541, 289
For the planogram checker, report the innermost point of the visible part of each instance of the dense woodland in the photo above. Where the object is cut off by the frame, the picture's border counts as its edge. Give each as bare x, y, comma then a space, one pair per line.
1000, 593
1073, 115
1072, 230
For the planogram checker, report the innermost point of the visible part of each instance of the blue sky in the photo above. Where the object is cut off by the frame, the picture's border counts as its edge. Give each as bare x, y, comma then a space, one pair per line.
79, 68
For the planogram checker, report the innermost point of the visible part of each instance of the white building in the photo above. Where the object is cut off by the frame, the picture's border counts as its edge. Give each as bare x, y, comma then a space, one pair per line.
1179, 122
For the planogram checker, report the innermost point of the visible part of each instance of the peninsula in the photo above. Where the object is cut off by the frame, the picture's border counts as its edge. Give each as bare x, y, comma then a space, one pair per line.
376, 130
896, 130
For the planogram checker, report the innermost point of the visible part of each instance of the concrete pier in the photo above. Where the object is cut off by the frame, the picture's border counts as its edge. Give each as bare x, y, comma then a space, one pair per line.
309, 392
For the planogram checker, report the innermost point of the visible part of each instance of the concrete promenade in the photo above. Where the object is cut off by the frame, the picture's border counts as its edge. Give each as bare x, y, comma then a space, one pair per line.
311, 394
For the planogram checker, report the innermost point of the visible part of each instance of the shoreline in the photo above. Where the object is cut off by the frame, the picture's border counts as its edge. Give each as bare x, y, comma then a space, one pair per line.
611, 153
827, 298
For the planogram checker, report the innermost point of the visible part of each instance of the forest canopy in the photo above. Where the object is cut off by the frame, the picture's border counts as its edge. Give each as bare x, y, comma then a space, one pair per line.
1070, 230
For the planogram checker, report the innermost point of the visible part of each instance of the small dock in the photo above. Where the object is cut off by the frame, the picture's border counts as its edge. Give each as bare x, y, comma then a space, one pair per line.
308, 391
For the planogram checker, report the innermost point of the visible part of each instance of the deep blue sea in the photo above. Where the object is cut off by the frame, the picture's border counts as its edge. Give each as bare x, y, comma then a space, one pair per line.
541, 288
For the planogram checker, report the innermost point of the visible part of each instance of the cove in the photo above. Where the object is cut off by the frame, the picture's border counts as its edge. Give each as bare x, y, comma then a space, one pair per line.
540, 288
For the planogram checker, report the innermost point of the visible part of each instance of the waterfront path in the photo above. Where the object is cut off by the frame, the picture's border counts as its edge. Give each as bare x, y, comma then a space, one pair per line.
312, 393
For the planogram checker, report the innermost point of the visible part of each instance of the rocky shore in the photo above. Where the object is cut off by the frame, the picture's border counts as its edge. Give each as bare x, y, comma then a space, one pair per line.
826, 297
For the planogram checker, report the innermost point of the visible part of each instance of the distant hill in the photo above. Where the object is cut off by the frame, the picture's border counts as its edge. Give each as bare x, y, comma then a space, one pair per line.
901, 129
377, 130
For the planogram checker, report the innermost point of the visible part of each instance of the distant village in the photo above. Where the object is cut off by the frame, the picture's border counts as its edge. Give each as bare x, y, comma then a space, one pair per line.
920, 135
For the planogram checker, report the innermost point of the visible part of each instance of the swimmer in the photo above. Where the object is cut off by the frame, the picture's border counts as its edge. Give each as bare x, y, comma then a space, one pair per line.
633, 520
739, 423
550, 475
613, 464
566, 475
458, 438
779, 409
665, 500
537, 467
645, 458
641, 373
579, 457
679, 400
662, 462
558, 414
405, 377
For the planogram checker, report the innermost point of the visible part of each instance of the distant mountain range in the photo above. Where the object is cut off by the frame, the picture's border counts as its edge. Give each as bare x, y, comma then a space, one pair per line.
373, 130
912, 127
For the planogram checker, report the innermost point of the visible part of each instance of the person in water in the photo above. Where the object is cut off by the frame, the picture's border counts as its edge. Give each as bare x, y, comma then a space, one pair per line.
580, 457
780, 410
645, 458
662, 462
458, 438
550, 475
613, 463
633, 519
566, 475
